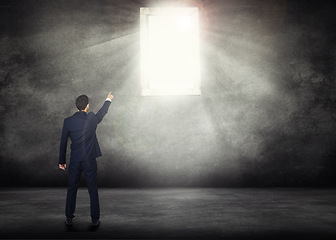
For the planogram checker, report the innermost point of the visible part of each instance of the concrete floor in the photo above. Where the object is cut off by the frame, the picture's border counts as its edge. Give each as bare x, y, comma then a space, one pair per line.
239, 213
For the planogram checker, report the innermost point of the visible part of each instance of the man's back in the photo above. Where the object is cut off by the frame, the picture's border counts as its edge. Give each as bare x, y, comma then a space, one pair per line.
81, 128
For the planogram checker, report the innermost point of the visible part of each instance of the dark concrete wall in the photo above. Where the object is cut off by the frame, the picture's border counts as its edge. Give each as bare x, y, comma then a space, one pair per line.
266, 116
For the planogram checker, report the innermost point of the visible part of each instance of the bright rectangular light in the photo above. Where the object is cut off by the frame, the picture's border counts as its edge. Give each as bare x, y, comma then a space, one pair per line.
169, 51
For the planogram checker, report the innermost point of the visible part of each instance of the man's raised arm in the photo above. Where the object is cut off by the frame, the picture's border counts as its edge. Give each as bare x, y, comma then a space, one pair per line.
102, 112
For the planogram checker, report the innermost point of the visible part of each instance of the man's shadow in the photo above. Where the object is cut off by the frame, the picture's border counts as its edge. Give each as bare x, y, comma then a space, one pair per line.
89, 228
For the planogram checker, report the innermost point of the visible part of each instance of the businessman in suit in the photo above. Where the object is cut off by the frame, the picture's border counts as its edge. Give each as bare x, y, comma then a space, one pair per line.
81, 129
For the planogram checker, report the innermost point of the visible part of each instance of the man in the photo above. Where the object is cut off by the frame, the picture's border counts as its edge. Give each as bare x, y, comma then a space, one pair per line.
81, 128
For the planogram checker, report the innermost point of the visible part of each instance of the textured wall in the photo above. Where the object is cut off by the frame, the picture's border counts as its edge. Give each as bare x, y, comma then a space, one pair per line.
266, 116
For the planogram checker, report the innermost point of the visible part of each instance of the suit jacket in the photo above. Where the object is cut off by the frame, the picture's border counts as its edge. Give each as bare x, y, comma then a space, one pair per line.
81, 128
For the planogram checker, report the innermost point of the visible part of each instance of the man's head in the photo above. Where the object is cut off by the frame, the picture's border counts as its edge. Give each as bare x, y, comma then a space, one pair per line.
82, 103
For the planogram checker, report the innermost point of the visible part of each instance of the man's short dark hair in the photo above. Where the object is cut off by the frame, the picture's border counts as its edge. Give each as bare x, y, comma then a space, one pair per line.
81, 102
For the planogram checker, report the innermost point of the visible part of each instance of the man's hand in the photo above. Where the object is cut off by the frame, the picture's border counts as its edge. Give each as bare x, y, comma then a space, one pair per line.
62, 166
110, 96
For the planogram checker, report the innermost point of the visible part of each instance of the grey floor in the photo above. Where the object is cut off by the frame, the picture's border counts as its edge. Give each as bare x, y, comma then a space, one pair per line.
237, 213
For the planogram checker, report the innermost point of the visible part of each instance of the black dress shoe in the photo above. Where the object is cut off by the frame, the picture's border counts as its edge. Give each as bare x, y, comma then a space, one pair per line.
96, 223
68, 221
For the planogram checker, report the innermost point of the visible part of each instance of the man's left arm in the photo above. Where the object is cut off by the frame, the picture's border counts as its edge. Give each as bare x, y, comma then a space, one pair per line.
63, 147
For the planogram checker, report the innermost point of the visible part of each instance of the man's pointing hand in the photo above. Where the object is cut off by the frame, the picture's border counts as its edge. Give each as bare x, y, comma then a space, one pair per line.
110, 96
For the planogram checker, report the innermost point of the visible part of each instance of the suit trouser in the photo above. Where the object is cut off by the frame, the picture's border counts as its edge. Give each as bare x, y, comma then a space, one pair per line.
89, 167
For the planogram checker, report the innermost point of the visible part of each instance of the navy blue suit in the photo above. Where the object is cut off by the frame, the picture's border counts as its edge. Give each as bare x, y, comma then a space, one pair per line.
81, 128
